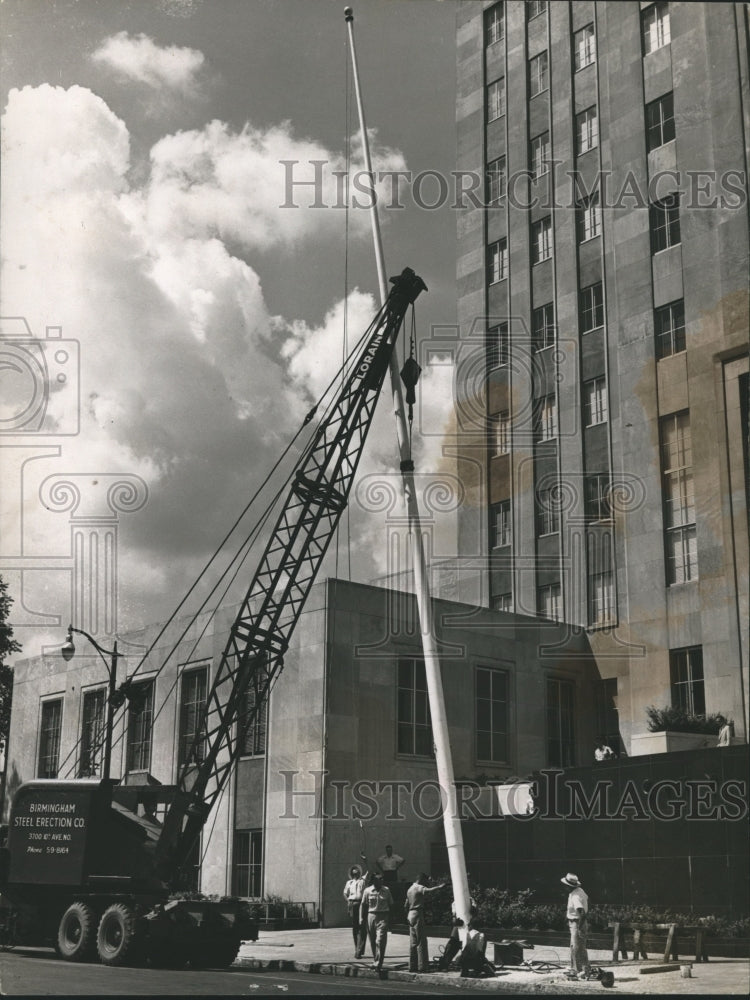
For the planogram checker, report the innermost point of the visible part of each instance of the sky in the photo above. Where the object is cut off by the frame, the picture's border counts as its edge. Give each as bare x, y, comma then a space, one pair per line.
147, 153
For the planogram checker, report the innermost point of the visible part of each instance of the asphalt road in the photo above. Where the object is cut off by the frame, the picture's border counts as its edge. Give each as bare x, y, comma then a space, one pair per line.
38, 972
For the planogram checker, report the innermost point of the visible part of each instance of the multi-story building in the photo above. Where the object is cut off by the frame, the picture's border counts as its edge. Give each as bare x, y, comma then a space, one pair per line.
603, 289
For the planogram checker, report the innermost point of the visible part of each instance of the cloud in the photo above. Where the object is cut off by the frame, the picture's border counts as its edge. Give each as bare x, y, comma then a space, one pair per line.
138, 58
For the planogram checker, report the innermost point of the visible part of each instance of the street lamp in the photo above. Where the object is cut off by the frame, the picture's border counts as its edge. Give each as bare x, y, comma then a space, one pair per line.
113, 701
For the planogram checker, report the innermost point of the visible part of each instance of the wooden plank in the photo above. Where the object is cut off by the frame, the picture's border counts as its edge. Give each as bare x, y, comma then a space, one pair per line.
670, 951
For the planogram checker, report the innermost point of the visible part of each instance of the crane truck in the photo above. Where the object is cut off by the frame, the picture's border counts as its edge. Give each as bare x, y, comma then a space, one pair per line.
86, 863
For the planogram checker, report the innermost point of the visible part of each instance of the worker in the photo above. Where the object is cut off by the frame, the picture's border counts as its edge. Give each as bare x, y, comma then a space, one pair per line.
602, 751
377, 903
388, 865
414, 906
353, 892
453, 944
725, 733
578, 909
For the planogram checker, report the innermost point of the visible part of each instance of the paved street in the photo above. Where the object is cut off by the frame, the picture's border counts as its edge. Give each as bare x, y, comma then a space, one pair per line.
39, 972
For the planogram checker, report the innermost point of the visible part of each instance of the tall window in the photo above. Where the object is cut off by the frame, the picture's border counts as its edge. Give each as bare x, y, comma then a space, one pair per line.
247, 868
538, 74
502, 602
492, 715
547, 418
589, 218
252, 725
679, 498
655, 27
543, 327
502, 432
549, 602
49, 739
494, 24
541, 240
560, 722
601, 599
587, 130
686, 675
501, 524
535, 7
497, 261
496, 177
664, 217
498, 346
660, 121
547, 512
193, 691
591, 307
539, 155
584, 47
140, 726
605, 713
598, 496
669, 327
414, 727
595, 401
496, 99
92, 733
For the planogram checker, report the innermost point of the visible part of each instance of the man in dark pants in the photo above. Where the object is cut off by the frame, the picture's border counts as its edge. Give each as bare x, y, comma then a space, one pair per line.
377, 903
353, 892
414, 906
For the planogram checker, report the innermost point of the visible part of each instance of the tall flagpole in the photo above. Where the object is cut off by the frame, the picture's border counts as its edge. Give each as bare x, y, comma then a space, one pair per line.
451, 818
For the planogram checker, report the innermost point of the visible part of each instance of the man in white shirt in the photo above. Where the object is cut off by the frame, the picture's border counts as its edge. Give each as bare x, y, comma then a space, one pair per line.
602, 751
388, 864
353, 892
578, 908
377, 903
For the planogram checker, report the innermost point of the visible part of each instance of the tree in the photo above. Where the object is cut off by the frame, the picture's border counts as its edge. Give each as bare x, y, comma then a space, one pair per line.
8, 646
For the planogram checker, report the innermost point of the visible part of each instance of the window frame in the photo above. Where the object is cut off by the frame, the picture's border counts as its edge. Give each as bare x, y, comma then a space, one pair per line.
543, 327
539, 155
678, 499
497, 252
495, 98
554, 592
548, 512
92, 738
674, 333
587, 130
44, 753
491, 33
502, 428
425, 729
588, 218
501, 525
683, 691
256, 736
502, 676
594, 308
660, 31
538, 74
498, 346
186, 737
535, 8
601, 602
595, 401
253, 870
541, 240
140, 718
589, 47
664, 223
547, 418
497, 179
597, 500
499, 600
663, 125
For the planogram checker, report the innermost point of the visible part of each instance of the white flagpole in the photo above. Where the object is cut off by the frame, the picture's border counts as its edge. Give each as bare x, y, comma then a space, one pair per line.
451, 818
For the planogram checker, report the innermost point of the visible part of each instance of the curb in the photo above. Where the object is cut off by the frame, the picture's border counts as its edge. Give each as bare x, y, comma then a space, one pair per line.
497, 985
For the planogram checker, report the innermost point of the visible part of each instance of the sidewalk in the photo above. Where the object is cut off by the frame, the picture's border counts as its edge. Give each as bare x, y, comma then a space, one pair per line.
329, 951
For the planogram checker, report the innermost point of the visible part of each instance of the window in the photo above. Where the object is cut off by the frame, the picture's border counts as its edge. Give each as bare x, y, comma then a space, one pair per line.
496, 99
492, 715
660, 121
535, 7
601, 599
247, 868
560, 722
541, 240
414, 727
539, 155
686, 676
252, 725
664, 217
92, 733
494, 24
598, 497
502, 602
547, 418
497, 261
669, 327
679, 498
538, 74
655, 27
496, 181
193, 692
587, 130
498, 346
549, 602
591, 307
502, 432
543, 327
547, 511
501, 526
589, 218
605, 713
584, 47
49, 739
140, 726
595, 401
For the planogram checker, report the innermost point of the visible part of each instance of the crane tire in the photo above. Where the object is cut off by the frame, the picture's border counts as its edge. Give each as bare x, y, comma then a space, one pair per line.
218, 953
117, 940
76, 934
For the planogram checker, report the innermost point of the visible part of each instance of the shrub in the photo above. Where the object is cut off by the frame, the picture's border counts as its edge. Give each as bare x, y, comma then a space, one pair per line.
677, 720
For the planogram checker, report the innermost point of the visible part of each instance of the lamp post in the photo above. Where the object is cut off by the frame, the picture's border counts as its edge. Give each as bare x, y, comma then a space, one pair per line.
68, 652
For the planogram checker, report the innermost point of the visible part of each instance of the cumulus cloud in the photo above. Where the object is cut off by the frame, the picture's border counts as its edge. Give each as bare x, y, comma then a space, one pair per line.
186, 378
138, 58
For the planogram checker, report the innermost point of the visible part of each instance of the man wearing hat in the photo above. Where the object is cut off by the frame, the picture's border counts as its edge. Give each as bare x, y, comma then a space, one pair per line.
578, 908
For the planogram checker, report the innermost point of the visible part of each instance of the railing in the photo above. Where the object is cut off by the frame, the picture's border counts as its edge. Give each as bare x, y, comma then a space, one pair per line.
267, 912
